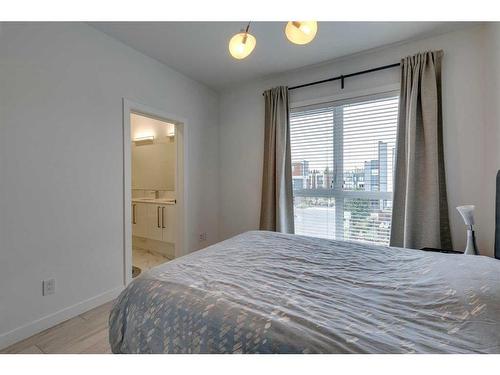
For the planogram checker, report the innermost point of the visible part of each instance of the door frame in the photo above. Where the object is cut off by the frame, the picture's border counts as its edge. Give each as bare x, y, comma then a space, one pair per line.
181, 129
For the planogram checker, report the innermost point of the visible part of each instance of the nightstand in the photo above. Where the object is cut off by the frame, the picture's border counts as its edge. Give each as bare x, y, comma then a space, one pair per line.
441, 250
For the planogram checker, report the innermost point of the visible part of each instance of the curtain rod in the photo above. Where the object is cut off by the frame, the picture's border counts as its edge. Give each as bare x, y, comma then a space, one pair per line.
343, 77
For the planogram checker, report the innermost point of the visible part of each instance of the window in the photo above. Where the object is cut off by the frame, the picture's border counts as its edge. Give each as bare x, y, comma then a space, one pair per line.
342, 162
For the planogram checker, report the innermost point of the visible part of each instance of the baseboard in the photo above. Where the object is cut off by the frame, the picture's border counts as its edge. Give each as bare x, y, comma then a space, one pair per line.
30, 329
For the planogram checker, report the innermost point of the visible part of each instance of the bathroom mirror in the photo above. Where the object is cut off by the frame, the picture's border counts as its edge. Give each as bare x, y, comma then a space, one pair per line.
153, 166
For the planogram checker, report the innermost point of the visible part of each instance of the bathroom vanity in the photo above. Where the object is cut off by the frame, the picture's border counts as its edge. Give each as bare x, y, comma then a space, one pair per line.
154, 218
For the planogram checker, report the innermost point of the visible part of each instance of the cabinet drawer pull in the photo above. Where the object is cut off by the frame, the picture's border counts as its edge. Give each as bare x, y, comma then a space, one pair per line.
133, 214
163, 217
158, 216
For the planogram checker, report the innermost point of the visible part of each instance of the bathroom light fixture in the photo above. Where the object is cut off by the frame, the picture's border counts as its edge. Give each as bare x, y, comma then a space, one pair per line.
139, 141
242, 44
171, 130
301, 32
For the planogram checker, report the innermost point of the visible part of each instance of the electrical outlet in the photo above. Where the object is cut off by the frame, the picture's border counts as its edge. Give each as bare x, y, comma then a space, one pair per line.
202, 237
48, 287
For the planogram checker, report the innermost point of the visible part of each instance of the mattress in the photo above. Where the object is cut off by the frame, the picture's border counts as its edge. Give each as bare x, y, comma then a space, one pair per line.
264, 292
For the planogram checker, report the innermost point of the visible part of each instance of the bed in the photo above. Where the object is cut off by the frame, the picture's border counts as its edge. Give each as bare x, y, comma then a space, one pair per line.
264, 292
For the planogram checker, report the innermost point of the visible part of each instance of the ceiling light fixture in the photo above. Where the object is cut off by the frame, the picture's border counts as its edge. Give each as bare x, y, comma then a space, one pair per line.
301, 32
242, 44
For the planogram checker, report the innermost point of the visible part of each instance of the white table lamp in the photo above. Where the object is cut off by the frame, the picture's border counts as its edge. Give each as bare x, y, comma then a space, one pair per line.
467, 213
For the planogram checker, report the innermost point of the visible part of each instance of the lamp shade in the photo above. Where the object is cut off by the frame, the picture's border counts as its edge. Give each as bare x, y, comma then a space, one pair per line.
467, 213
301, 32
241, 45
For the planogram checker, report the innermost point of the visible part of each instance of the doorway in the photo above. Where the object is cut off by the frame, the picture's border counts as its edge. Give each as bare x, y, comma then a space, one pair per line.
153, 188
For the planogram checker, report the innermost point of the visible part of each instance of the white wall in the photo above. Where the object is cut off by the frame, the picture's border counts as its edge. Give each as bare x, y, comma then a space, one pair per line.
466, 127
61, 158
491, 135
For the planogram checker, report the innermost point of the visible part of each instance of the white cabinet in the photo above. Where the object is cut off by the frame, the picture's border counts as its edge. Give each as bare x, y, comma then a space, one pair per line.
154, 221
168, 223
140, 219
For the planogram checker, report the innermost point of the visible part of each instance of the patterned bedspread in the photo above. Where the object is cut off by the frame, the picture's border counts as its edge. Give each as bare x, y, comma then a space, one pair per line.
263, 292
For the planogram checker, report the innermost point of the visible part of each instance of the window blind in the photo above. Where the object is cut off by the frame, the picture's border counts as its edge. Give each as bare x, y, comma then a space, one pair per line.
342, 168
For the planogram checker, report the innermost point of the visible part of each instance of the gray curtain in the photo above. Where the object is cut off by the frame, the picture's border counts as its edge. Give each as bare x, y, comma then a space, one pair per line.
420, 207
276, 213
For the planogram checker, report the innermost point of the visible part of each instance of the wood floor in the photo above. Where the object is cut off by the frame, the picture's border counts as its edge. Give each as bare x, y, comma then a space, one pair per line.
86, 333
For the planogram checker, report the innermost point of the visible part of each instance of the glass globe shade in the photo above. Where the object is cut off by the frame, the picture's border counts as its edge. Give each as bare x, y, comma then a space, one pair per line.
241, 45
301, 32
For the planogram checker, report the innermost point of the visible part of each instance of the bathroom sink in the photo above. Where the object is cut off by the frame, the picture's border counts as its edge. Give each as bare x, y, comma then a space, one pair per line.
144, 199
155, 200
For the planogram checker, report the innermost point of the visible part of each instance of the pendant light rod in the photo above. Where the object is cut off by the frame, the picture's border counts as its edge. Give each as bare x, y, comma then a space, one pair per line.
246, 33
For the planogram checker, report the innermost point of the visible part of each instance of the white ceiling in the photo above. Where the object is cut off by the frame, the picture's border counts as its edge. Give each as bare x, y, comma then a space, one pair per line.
199, 49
